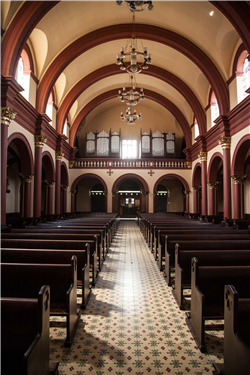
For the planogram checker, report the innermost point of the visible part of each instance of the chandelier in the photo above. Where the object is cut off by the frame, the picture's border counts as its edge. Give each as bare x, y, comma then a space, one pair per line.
133, 56
130, 117
131, 97
137, 6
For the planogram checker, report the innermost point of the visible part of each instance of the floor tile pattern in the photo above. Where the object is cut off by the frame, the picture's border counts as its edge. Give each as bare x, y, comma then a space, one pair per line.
132, 324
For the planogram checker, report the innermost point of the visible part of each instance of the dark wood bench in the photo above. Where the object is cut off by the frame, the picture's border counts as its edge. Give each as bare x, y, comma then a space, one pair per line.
8, 241
171, 240
50, 256
83, 230
96, 235
62, 236
236, 334
25, 335
207, 296
225, 256
211, 229
22, 280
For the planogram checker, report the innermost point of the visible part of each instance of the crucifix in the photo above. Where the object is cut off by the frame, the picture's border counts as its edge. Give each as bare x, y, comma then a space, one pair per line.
109, 172
151, 172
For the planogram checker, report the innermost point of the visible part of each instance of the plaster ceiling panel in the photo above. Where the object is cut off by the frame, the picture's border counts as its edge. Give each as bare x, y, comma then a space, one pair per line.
69, 20
149, 83
162, 56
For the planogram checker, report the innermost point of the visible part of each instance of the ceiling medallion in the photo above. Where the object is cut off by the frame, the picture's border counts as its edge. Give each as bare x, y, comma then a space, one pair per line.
137, 6
131, 97
130, 117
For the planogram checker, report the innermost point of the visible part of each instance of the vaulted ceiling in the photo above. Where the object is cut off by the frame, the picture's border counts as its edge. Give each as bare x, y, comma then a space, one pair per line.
74, 45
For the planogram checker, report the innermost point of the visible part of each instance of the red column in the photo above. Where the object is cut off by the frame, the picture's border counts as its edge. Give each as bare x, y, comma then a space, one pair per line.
238, 182
187, 200
40, 140
64, 197
7, 115
196, 191
213, 197
225, 142
73, 200
59, 156
50, 196
203, 157
27, 195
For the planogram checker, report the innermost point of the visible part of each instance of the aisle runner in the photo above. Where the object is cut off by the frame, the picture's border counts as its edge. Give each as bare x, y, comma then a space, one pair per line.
132, 324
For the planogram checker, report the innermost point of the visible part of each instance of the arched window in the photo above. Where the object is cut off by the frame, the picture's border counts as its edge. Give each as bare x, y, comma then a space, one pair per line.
214, 109
196, 129
246, 76
22, 79
49, 108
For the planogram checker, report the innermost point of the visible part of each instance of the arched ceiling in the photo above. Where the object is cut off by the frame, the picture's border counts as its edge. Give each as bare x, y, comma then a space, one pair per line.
78, 41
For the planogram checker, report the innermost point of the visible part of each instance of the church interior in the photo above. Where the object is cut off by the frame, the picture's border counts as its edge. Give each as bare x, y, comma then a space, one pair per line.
125, 115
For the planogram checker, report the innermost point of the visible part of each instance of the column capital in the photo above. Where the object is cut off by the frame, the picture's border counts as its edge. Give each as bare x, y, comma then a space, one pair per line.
73, 192
196, 188
49, 183
40, 140
213, 185
186, 192
59, 155
64, 187
239, 179
7, 115
225, 142
26, 177
189, 164
71, 163
203, 156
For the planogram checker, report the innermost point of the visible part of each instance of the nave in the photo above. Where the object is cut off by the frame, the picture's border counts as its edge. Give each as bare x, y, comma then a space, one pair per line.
132, 324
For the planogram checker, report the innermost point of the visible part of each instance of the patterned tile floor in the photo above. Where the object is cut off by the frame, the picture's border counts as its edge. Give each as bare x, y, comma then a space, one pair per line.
132, 324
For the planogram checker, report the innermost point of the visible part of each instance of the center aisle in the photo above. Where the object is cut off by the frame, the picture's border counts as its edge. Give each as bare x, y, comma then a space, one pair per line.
132, 324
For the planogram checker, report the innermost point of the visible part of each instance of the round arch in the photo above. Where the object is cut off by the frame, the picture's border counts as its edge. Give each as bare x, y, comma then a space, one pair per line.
213, 166
49, 165
81, 177
180, 178
183, 182
123, 177
148, 94
148, 32
110, 70
21, 142
239, 155
64, 174
196, 178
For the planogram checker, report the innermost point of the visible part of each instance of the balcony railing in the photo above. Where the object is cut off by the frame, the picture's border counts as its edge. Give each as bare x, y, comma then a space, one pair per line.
130, 163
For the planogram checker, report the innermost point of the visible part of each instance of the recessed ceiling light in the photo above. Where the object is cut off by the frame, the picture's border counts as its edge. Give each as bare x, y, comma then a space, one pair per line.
211, 13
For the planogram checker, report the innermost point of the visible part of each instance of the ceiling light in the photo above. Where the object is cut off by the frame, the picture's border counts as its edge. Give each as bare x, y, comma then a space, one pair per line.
135, 60
131, 97
137, 6
130, 117
211, 13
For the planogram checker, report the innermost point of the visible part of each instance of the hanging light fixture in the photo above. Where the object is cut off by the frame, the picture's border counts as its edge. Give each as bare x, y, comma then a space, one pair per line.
137, 6
131, 97
130, 117
133, 65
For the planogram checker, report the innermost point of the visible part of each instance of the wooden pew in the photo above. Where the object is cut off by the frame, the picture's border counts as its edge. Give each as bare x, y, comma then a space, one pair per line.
236, 334
225, 256
171, 240
86, 235
207, 295
25, 335
50, 256
211, 229
83, 230
22, 280
56, 244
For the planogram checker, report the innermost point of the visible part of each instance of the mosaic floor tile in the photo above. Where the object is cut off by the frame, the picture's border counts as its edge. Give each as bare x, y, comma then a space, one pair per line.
132, 324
